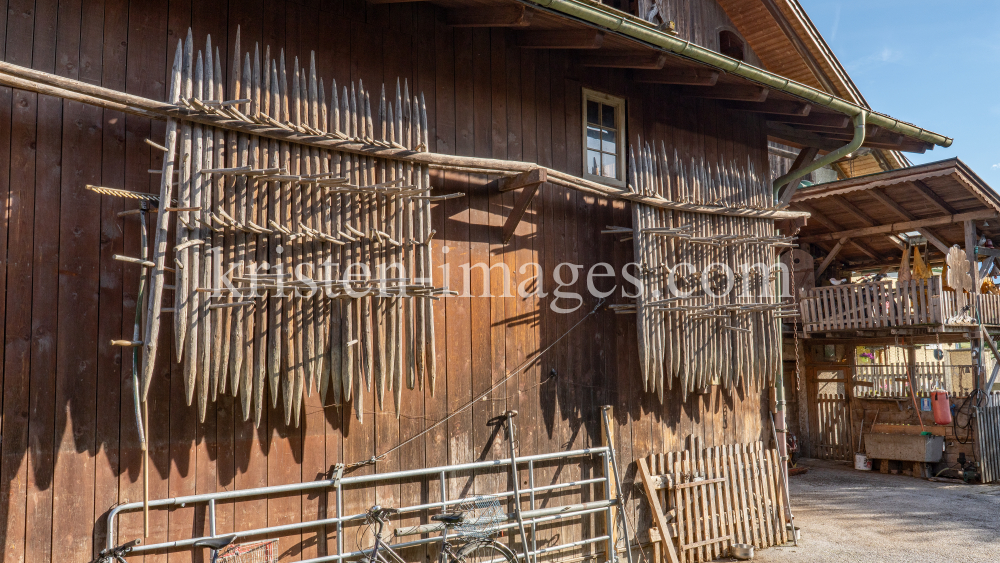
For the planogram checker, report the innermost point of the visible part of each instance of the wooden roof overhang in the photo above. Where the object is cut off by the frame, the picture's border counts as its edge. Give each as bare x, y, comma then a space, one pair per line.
790, 119
871, 212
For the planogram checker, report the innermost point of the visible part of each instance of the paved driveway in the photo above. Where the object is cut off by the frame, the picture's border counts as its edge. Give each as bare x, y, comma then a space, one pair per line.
853, 516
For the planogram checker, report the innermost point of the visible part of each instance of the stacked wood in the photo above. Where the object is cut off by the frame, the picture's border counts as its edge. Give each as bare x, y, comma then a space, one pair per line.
728, 335
706, 499
295, 268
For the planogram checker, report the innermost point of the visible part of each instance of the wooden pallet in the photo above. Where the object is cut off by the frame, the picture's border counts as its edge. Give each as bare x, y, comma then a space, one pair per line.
703, 500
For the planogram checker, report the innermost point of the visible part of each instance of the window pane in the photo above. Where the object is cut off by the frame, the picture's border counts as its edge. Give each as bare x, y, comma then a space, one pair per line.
608, 116
610, 168
594, 163
593, 112
609, 142
593, 137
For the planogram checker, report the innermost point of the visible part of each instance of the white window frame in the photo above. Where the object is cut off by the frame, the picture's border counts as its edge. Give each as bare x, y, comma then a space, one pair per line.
620, 121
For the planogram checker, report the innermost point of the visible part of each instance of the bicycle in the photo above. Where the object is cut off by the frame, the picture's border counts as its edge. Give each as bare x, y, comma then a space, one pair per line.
117, 554
474, 526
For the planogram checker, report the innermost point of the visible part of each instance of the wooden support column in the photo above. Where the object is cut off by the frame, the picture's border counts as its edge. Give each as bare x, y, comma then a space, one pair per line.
806, 156
971, 241
528, 182
829, 257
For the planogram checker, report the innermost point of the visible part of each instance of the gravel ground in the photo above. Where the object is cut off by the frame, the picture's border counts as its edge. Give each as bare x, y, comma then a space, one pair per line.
854, 516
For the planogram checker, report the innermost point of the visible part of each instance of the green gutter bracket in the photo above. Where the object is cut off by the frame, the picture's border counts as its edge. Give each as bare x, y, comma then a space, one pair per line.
831, 157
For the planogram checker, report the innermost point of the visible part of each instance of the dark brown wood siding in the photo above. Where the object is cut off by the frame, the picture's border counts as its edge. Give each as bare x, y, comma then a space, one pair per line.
70, 449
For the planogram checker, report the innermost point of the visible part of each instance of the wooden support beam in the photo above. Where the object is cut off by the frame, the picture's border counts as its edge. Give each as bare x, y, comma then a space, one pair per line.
560, 39
829, 257
734, 92
987, 267
804, 158
830, 120
777, 107
625, 59
536, 176
890, 203
819, 217
904, 226
971, 242
513, 15
853, 210
933, 239
693, 77
996, 367
867, 251
529, 181
933, 197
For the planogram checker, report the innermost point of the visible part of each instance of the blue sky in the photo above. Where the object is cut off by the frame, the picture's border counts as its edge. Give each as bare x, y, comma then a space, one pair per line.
933, 63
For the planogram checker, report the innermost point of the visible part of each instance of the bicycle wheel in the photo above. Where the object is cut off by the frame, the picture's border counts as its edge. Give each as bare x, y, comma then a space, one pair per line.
485, 551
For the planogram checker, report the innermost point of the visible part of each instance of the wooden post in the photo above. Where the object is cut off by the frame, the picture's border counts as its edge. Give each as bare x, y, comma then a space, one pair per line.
829, 257
971, 242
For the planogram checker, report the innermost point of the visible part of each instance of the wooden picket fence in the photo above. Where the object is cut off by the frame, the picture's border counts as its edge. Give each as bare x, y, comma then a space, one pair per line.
834, 428
707, 499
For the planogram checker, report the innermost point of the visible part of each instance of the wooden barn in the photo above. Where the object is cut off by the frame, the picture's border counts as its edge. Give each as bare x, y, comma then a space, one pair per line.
187, 181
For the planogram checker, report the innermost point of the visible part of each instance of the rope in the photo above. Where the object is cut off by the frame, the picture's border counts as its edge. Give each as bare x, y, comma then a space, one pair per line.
527, 362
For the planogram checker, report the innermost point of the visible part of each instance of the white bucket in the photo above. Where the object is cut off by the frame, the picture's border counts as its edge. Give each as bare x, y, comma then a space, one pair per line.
862, 463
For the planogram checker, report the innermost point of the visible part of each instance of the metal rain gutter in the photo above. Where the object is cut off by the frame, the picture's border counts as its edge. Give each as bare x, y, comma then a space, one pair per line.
630, 26
829, 158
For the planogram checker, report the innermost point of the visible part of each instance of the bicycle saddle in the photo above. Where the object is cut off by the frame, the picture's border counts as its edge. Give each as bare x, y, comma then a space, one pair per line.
216, 543
449, 518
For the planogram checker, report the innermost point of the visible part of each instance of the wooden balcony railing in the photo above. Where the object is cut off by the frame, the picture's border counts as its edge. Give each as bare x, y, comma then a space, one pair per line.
891, 380
891, 303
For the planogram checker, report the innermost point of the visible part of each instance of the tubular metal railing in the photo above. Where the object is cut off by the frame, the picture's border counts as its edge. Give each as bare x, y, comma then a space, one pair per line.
531, 518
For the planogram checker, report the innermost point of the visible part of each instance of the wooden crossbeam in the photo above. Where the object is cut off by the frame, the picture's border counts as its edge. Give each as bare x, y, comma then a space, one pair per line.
528, 182
692, 77
560, 39
513, 15
777, 107
931, 236
903, 226
734, 92
625, 59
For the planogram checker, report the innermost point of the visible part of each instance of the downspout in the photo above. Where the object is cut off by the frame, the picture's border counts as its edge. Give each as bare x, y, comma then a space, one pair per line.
780, 424
856, 142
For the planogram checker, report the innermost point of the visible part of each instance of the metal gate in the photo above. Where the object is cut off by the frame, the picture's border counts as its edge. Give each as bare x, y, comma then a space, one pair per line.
988, 438
595, 459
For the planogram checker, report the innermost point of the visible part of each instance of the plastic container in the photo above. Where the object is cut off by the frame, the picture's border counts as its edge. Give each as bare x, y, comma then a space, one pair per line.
742, 551
941, 407
862, 463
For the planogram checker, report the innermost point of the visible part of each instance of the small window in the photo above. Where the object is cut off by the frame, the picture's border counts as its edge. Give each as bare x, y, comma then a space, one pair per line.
730, 45
603, 137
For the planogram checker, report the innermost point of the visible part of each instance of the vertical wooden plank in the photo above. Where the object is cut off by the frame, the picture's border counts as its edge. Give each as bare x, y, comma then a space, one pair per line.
21, 107
112, 384
45, 364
